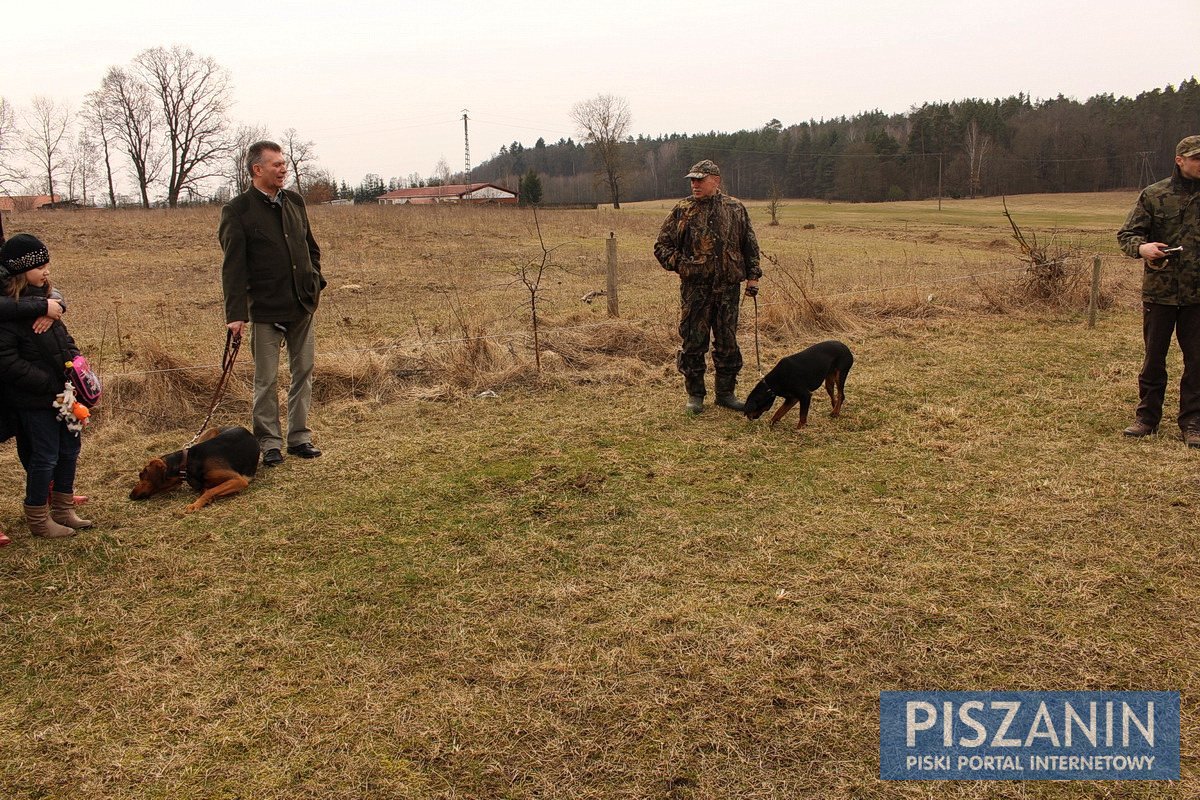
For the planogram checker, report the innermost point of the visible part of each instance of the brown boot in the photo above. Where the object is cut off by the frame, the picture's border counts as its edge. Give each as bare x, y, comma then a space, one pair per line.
62, 511
1139, 430
40, 523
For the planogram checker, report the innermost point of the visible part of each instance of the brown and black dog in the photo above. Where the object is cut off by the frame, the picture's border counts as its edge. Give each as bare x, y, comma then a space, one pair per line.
220, 463
797, 376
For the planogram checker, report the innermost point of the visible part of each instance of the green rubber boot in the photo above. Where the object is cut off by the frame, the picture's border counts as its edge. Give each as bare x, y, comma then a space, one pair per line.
695, 390
725, 395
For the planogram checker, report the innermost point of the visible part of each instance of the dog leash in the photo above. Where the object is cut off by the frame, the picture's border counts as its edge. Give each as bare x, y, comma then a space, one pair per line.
232, 343
757, 357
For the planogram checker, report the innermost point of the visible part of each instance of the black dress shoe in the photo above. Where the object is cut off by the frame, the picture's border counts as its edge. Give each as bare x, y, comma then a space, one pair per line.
305, 450
272, 458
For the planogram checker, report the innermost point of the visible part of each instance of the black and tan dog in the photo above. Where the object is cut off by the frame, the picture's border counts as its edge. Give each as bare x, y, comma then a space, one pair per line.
797, 376
220, 463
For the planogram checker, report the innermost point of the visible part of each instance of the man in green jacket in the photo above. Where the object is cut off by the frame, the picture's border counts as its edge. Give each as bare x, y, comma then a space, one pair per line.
272, 280
1163, 229
709, 242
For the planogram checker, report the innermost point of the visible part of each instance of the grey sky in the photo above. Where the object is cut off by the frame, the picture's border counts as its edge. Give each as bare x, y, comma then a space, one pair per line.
380, 86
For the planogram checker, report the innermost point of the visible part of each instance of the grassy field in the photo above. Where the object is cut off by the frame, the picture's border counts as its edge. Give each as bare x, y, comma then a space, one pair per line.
571, 589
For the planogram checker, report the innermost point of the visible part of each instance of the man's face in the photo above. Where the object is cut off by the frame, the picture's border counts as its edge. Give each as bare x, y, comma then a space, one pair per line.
705, 187
1189, 166
270, 173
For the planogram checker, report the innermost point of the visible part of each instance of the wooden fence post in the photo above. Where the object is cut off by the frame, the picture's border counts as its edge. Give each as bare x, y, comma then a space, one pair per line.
1094, 300
611, 244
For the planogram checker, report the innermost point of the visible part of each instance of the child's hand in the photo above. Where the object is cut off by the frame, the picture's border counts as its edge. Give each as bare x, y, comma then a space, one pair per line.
42, 324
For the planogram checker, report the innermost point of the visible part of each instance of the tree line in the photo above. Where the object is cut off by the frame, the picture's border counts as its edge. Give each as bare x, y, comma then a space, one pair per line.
963, 148
159, 124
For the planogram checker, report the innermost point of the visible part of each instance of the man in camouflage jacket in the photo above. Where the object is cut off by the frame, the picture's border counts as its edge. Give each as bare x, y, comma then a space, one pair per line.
1167, 217
709, 241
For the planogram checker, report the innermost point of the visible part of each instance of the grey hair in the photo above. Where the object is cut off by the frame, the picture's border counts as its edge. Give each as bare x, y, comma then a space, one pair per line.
255, 151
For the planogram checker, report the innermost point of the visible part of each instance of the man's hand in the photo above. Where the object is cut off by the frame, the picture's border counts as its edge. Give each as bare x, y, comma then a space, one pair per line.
1153, 251
54, 310
752, 288
237, 327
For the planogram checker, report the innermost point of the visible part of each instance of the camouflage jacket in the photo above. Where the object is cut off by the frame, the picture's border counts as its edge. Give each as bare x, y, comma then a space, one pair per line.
709, 241
1169, 212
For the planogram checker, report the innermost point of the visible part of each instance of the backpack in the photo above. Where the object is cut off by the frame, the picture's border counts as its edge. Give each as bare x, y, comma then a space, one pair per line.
86, 382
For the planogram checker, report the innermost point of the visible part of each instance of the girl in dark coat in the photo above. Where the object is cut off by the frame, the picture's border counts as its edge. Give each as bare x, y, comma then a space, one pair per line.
32, 375
39, 313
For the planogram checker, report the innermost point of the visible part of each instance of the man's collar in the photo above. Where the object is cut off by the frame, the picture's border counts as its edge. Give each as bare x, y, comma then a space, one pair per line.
275, 199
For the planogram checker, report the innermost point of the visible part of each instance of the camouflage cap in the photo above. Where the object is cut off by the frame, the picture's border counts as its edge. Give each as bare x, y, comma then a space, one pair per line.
703, 168
1188, 146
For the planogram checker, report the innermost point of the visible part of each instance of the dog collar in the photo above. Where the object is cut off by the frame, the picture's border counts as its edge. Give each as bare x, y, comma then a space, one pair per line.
770, 388
183, 463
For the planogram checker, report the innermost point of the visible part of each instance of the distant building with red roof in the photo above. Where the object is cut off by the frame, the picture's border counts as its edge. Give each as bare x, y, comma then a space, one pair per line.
27, 202
450, 193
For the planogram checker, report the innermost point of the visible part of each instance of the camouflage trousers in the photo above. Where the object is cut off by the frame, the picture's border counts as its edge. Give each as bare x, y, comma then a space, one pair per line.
704, 309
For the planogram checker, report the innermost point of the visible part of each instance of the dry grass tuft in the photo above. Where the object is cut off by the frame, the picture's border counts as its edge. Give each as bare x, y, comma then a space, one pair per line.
356, 376
913, 308
584, 345
1066, 287
162, 392
798, 312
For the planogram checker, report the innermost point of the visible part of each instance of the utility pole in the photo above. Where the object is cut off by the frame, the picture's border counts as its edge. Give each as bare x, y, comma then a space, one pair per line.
467, 151
939, 181
1145, 172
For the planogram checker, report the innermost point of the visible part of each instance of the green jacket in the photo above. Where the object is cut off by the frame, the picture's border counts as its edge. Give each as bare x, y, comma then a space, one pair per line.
272, 266
709, 241
1169, 212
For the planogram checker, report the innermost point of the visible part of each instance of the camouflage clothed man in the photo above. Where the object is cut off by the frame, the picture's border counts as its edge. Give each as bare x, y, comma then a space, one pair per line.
709, 241
1166, 218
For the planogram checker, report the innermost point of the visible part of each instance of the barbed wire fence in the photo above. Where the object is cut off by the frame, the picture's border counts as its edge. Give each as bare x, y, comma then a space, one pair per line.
508, 336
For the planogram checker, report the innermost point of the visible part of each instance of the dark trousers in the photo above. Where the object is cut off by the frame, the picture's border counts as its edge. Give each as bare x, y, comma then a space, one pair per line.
49, 452
1158, 323
704, 308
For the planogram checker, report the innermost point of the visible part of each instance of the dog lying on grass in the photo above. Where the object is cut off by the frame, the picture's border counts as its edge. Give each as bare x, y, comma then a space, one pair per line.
220, 463
797, 376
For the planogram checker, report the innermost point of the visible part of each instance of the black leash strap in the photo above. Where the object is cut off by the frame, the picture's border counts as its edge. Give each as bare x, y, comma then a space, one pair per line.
232, 343
757, 357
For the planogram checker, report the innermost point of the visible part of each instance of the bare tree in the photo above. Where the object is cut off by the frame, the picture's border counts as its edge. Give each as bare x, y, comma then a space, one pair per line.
96, 127
774, 201
193, 92
128, 108
530, 275
441, 172
320, 187
234, 169
299, 152
85, 158
603, 122
46, 132
10, 172
977, 145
